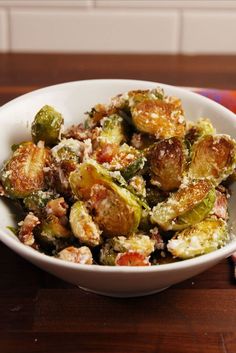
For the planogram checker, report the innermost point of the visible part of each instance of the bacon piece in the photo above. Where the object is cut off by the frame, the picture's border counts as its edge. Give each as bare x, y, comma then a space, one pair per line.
78, 132
80, 255
106, 153
220, 206
26, 235
57, 207
131, 258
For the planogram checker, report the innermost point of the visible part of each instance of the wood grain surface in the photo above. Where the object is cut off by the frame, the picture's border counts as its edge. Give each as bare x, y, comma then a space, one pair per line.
40, 313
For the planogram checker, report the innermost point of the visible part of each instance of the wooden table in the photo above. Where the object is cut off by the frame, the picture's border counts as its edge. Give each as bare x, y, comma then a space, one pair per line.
40, 313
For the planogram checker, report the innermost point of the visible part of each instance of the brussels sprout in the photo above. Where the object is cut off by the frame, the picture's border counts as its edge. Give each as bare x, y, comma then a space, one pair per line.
133, 168
116, 213
189, 205
198, 213
201, 238
97, 113
107, 255
80, 255
113, 130
52, 232
163, 119
117, 210
140, 243
167, 160
37, 201
47, 126
23, 173
137, 243
199, 129
213, 157
83, 226
68, 149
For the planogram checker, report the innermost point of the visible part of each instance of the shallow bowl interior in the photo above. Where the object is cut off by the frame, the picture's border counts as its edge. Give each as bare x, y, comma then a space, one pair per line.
72, 100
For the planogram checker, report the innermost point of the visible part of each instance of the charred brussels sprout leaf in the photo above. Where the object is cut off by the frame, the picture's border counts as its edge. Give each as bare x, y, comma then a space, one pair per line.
83, 226
213, 157
47, 126
23, 173
204, 237
189, 205
167, 163
117, 210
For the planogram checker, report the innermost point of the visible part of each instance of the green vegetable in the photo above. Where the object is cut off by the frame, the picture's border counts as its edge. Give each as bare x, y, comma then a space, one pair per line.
201, 238
83, 226
189, 205
117, 210
47, 126
23, 173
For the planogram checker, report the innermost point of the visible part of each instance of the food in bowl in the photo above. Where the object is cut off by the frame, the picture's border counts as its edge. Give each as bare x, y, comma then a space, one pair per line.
136, 184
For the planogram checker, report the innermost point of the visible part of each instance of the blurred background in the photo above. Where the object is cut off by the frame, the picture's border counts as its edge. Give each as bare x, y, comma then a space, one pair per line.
118, 26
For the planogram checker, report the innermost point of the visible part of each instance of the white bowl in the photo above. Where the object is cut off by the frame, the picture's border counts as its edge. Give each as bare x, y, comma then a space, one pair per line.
72, 100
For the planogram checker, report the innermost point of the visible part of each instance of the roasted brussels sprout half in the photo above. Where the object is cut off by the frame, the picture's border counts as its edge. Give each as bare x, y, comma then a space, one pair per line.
83, 226
199, 129
113, 130
167, 160
116, 213
201, 238
163, 119
117, 210
97, 113
111, 136
213, 157
80, 255
23, 174
47, 126
189, 205
68, 149
107, 255
52, 233
139, 244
